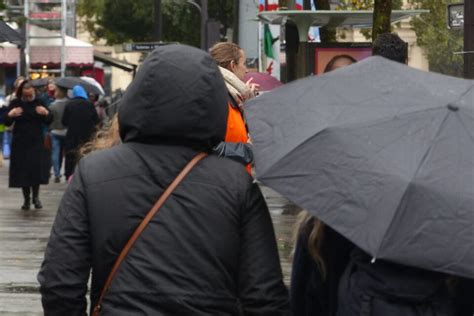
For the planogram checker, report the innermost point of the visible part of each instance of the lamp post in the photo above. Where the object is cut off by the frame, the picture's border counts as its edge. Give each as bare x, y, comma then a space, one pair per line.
158, 28
204, 17
468, 39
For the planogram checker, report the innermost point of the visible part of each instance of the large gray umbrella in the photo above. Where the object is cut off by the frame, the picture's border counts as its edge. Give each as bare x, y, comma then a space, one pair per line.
382, 153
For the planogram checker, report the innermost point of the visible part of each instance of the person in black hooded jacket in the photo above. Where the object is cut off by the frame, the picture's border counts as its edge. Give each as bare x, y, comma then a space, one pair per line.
211, 249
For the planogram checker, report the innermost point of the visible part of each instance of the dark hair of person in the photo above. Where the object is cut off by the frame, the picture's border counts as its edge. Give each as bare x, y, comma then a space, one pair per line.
225, 52
390, 46
330, 64
23, 85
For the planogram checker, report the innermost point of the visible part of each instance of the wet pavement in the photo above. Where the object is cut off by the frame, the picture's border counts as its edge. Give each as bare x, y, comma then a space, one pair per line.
24, 234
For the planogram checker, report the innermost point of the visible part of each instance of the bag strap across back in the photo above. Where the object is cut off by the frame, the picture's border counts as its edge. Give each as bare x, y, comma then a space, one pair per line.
138, 231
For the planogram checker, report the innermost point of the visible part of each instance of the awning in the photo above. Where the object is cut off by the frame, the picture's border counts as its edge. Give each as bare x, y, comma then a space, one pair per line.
45, 48
306, 19
9, 54
115, 62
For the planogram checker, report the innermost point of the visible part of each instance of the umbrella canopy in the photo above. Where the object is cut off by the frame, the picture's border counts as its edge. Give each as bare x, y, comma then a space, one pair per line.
382, 153
94, 82
70, 82
7, 34
266, 81
39, 82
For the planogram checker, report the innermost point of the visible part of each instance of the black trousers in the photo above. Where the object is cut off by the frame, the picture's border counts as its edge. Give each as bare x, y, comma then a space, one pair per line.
27, 191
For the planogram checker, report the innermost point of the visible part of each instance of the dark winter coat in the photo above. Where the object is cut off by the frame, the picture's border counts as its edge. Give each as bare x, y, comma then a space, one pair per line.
81, 119
29, 160
311, 294
387, 289
210, 251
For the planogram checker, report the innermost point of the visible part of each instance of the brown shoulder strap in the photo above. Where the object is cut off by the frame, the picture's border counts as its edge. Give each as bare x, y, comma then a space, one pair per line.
142, 227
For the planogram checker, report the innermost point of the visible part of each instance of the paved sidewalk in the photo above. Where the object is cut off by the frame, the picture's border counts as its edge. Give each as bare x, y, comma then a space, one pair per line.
23, 236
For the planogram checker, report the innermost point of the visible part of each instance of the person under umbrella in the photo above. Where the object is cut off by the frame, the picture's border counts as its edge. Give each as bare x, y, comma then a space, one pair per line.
320, 256
81, 119
231, 60
28, 152
387, 163
393, 289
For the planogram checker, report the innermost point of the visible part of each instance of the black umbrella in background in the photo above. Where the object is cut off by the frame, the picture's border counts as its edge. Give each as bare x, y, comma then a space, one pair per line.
39, 82
7, 34
70, 82
382, 153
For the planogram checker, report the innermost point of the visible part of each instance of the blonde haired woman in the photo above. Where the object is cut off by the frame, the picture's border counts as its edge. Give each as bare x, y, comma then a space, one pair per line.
231, 60
319, 260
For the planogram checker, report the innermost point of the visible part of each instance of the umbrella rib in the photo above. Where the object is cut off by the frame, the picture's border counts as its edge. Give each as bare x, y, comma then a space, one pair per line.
466, 129
423, 160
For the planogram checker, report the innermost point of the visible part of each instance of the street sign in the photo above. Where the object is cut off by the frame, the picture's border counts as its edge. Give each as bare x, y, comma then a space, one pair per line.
142, 47
456, 15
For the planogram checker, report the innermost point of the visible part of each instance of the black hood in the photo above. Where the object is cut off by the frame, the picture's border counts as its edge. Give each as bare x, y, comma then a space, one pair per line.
177, 97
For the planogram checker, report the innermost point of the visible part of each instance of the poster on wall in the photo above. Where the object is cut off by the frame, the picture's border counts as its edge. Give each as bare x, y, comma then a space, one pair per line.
323, 55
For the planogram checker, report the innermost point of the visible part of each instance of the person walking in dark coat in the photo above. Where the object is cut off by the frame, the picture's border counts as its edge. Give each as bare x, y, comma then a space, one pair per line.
81, 119
27, 167
211, 250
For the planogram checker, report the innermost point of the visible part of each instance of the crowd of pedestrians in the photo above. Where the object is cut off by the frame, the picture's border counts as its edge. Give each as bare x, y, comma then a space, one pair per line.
207, 245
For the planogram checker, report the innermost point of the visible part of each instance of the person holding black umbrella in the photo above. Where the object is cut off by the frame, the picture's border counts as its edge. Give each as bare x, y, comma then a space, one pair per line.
320, 255
28, 154
81, 119
377, 287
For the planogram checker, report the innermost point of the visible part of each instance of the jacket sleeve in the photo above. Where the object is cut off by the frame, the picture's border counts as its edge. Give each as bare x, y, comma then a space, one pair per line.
65, 270
95, 116
48, 118
9, 120
240, 152
260, 281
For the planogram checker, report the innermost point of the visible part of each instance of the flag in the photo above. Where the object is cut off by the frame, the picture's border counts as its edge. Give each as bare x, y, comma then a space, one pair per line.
299, 4
272, 5
268, 42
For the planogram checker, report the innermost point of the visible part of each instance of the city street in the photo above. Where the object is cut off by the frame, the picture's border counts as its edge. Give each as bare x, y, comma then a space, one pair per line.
24, 235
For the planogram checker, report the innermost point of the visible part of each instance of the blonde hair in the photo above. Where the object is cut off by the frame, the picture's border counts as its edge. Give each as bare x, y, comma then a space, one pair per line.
224, 53
303, 223
105, 138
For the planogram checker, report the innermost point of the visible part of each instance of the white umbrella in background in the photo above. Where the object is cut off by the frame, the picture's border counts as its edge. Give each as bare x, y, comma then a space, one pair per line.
94, 82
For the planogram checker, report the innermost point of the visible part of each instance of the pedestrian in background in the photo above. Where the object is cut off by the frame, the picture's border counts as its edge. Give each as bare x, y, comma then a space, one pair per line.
339, 61
7, 135
80, 118
232, 61
58, 131
211, 250
27, 156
